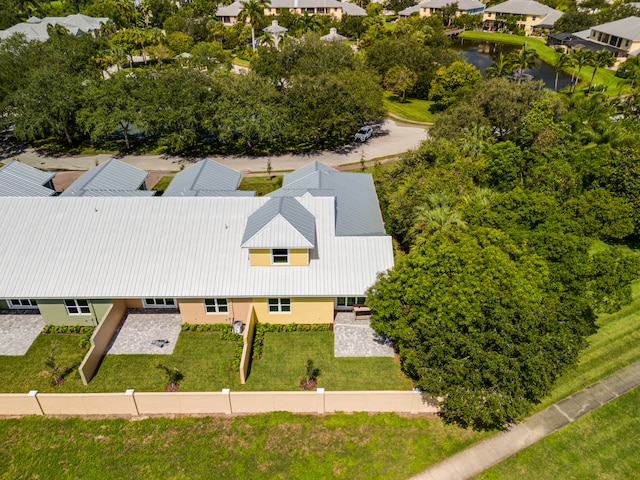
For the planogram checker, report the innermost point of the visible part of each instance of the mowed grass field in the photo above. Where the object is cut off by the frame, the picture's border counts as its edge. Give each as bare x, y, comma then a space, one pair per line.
273, 446
603, 444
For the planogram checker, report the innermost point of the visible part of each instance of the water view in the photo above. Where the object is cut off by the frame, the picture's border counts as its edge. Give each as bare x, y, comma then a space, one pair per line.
482, 54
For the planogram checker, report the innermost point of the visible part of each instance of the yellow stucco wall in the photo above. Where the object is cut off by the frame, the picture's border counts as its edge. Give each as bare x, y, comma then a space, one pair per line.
303, 310
134, 303
261, 257
192, 310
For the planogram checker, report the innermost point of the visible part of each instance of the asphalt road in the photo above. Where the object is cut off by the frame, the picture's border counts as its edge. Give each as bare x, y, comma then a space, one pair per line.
392, 138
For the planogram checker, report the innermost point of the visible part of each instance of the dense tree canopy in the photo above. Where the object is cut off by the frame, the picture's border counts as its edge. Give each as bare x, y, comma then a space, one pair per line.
498, 214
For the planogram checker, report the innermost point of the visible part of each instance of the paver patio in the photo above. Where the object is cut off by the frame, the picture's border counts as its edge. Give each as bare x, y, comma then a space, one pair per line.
18, 332
356, 338
138, 333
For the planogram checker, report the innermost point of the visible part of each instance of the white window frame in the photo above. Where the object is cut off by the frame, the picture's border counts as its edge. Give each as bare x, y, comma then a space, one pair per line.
216, 305
159, 303
279, 305
22, 304
280, 253
348, 302
76, 306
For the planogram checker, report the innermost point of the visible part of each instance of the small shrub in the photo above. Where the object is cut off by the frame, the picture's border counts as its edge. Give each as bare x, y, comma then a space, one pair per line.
53, 367
173, 377
310, 380
85, 341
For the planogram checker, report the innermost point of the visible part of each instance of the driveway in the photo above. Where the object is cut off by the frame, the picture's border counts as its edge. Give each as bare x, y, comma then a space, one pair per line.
392, 138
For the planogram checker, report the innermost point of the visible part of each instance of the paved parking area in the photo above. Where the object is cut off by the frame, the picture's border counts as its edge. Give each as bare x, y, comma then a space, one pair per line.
355, 338
17, 333
139, 332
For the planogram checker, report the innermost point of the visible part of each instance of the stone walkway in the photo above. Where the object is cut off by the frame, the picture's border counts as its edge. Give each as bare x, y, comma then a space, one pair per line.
355, 338
17, 333
138, 332
491, 451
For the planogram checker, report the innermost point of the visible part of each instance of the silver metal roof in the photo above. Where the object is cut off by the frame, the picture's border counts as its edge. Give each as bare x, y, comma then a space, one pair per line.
206, 175
627, 28
280, 223
521, 7
110, 176
333, 36
136, 247
20, 180
357, 209
36, 28
463, 5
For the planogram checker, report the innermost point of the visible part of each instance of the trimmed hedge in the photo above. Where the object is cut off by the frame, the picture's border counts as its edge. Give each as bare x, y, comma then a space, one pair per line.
85, 340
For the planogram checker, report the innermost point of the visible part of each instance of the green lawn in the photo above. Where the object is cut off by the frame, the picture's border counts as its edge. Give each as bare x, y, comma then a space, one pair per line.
602, 444
261, 185
205, 362
413, 109
285, 355
273, 446
163, 183
202, 357
615, 345
549, 56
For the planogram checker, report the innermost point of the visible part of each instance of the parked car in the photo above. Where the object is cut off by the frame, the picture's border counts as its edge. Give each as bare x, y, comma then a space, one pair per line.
364, 133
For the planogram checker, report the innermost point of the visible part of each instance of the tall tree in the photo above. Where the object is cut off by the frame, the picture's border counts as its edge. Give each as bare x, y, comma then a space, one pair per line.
400, 79
478, 322
563, 61
601, 59
580, 57
501, 67
253, 11
524, 59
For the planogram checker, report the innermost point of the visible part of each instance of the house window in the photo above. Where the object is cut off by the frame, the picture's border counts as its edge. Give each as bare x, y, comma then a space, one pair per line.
347, 303
159, 303
321, 10
279, 255
77, 307
216, 305
279, 305
22, 304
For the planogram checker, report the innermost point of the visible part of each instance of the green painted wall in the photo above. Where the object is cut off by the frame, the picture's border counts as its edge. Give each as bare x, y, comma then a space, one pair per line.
55, 313
3, 305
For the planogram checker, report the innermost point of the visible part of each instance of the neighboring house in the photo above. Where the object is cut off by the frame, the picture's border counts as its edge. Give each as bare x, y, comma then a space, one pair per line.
621, 36
530, 15
431, 7
206, 178
20, 180
36, 28
295, 256
228, 14
112, 178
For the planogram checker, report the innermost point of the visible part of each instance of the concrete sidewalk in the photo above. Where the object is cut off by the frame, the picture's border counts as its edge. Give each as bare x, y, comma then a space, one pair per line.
496, 448
392, 138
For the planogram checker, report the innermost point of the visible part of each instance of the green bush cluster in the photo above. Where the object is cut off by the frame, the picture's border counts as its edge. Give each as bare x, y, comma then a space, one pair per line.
48, 329
262, 328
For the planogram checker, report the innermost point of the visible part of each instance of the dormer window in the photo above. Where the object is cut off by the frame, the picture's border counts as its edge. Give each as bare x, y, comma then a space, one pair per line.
280, 256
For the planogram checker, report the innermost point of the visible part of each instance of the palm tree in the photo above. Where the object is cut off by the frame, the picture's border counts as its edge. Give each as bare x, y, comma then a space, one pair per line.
501, 67
601, 59
562, 62
525, 58
307, 23
253, 11
580, 58
437, 214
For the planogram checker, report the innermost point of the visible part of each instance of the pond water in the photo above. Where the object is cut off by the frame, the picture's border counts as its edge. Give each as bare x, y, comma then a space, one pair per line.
481, 55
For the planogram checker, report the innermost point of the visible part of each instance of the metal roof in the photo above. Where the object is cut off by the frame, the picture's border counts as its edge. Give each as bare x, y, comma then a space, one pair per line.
207, 175
353, 9
280, 223
305, 171
136, 247
357, 209
409, 10
627, 28
521, 7
36, 28
20, 180
462, 5
110, 176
